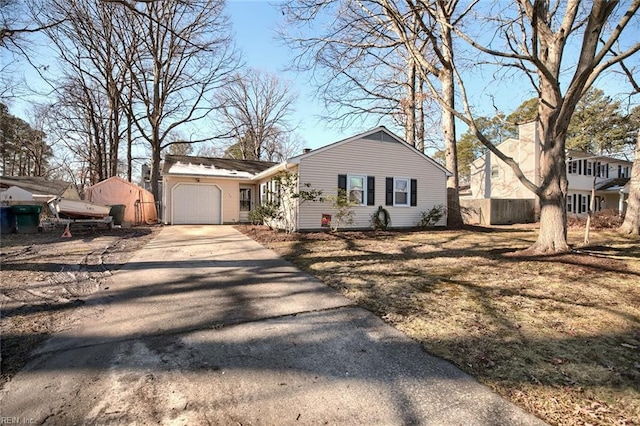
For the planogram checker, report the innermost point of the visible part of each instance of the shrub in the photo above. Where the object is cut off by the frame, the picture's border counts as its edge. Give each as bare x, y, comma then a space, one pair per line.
263, 213
343, 207
430, 218
380, 219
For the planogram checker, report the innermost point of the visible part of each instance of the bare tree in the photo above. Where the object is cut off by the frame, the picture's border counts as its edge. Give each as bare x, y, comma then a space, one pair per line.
254, 113
537, 36
538, 41
361, 70
95, 44
369, 35
185, 56
15, 24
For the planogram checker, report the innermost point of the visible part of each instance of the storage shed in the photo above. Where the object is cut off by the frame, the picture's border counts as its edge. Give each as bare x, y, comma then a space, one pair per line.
140, 206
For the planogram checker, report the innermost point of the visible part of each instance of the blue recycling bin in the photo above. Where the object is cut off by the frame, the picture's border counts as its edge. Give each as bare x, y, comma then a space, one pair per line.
7, 220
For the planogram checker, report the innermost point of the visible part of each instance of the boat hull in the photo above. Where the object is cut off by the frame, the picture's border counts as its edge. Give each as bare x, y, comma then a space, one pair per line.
76, 209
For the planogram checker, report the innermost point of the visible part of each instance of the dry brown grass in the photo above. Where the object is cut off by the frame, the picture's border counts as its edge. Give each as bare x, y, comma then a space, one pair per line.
557, 335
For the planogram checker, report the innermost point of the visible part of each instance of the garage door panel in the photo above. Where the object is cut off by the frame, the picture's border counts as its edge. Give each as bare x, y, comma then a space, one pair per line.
196, 204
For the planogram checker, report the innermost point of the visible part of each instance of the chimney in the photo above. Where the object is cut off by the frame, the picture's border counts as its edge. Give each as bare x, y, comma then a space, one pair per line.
306, 150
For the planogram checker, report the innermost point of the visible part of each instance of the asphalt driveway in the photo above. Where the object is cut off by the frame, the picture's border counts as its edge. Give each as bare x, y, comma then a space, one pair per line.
204, 325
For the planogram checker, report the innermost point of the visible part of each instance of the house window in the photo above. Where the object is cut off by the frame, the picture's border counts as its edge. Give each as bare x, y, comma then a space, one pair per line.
401, 192
584, 206
245, 199
495, 172
360, 189
589, 165
356, 189
569, 203
623, 172
263, 193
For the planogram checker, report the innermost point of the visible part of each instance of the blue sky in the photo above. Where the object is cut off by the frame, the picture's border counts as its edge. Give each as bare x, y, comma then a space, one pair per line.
254, 24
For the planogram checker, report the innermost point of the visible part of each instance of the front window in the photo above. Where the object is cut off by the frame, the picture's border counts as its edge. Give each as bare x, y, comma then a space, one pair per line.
401, 192
356, 189
245, 199
263, 193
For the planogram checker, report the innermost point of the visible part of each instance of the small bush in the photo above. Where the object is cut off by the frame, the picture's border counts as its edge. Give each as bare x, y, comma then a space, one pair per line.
380, 219
263, 212
430, 218
344, 214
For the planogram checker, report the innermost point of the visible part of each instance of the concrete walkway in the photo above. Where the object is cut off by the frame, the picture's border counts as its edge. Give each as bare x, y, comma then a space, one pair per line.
205, 326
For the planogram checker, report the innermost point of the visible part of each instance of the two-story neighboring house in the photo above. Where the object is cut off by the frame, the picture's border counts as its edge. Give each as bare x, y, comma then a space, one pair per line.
492, 179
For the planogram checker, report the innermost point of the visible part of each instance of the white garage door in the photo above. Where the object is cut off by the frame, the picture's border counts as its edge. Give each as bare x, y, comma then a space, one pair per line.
195, 204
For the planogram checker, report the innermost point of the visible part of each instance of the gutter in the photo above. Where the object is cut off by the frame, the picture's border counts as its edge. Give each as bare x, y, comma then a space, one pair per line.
273, 170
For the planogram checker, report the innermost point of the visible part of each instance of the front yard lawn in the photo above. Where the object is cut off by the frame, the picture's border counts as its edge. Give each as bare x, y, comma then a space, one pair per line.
557, 335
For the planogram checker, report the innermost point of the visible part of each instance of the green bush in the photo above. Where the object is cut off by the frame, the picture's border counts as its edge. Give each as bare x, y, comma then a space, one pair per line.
430, 218
263, 212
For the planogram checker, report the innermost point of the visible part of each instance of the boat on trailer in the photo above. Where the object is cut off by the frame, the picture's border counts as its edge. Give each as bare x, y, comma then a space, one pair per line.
63, 208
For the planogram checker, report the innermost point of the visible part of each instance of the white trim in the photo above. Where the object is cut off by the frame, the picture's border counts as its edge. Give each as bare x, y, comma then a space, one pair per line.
408, 192
285, 165
364, 187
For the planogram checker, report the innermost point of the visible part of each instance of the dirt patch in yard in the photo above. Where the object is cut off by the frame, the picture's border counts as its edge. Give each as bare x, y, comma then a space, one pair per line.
44, 280
557, 335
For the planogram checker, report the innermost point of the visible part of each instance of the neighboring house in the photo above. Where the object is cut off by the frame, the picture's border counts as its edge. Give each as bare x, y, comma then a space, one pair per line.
492, 179
140, 206
376, 168
40, 188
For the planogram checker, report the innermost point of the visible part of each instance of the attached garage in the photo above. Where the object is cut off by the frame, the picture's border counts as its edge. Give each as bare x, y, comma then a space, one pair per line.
196, 204
206, 191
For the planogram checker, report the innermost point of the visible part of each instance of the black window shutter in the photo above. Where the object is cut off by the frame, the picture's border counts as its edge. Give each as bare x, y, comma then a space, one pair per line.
389, 191
371, 190
579, 203
342, 182
414, 192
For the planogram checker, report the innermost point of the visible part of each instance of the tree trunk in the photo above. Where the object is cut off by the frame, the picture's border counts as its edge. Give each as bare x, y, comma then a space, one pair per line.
420, 114
155, 176
410, 107
553, 189
454, 216
631, 224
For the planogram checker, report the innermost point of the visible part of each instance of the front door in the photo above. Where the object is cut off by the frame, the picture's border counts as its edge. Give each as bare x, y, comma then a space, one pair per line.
246, 203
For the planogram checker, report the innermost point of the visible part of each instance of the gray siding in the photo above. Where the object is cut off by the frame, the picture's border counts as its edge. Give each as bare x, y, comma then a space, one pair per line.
379, 158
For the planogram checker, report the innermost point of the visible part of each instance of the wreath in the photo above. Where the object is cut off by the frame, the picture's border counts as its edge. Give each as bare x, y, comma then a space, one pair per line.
381, 219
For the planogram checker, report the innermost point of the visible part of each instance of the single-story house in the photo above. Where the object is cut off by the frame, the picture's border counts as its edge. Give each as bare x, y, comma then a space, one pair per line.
375, 168
41, 189
140, 206
200, 190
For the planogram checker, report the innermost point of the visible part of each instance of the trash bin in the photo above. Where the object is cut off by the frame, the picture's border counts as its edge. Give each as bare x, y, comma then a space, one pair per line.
27, 218
117, 212
7, 220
